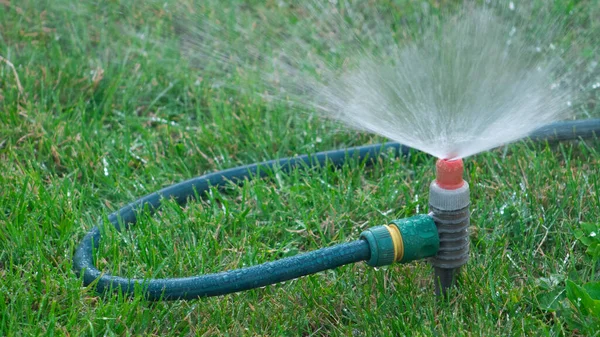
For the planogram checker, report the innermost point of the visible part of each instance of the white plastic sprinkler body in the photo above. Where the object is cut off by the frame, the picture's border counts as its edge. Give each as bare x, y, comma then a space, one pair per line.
449, 206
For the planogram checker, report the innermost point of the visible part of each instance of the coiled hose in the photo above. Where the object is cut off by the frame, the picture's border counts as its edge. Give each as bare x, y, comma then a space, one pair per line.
270, 272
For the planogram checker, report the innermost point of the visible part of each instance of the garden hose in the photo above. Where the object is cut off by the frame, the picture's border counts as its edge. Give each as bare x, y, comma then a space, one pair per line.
400, 241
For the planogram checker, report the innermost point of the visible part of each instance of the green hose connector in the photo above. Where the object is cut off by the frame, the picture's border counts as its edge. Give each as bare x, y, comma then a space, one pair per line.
402, 241
419, 236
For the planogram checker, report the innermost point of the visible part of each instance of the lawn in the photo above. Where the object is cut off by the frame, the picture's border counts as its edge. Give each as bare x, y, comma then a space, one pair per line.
98, 107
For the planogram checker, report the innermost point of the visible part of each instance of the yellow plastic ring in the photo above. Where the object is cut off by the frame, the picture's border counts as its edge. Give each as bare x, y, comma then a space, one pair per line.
398, 243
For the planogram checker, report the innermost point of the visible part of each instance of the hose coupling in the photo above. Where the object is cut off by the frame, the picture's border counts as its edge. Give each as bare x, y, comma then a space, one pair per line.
402, 240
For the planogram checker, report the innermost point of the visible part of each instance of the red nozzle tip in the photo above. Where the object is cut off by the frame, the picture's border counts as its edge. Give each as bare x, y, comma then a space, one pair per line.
449, 173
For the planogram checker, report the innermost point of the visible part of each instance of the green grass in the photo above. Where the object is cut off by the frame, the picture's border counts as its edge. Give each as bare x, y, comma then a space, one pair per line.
105, 117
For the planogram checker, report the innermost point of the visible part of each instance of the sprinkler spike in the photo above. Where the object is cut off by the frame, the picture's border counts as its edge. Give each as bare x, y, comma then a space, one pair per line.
449, 206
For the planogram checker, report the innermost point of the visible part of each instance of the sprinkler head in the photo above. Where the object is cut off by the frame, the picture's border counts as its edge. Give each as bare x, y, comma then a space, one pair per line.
449, 173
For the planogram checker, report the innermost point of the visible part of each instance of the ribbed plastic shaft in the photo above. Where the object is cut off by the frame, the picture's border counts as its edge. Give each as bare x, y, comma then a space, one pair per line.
453, 231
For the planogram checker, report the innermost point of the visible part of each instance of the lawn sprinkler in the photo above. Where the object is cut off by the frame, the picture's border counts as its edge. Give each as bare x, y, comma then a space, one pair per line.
449, 207
415, 238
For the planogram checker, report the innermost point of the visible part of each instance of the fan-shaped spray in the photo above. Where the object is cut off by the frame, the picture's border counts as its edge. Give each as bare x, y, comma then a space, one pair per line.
463, 85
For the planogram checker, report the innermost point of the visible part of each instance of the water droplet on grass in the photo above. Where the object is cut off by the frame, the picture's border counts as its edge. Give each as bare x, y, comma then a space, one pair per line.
105, 164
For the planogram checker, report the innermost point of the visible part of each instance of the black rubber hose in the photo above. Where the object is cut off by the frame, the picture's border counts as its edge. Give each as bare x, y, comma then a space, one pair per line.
271, 272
